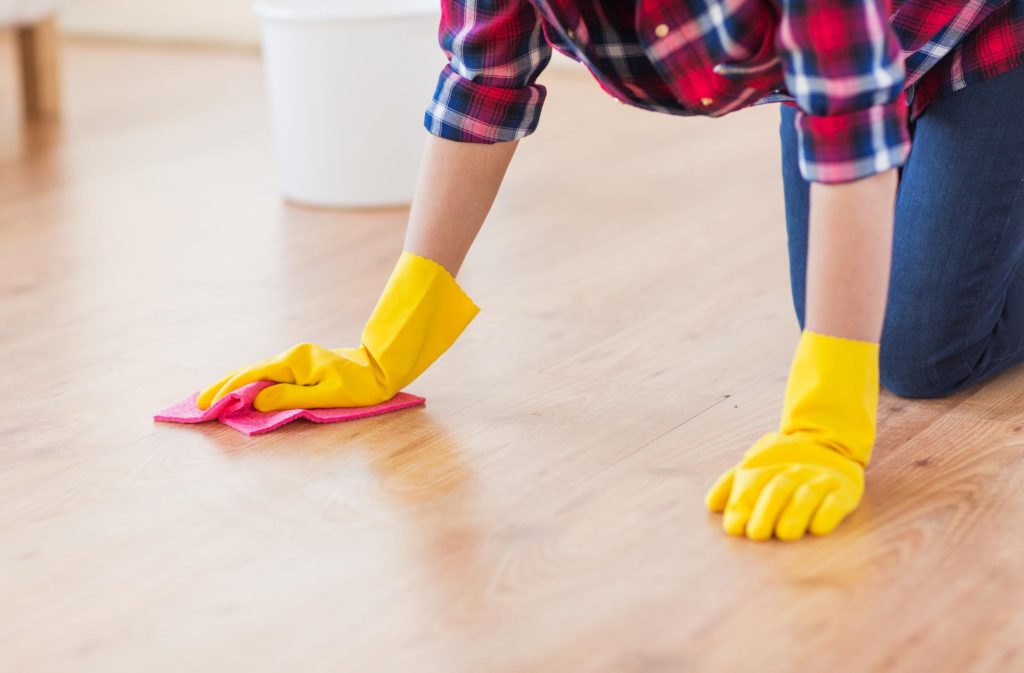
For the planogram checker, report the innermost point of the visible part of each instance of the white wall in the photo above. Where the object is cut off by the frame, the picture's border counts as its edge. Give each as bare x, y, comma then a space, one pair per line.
190, 21
230, 22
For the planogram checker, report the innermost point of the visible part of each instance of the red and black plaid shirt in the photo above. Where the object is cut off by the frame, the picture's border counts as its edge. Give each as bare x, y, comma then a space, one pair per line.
855, 68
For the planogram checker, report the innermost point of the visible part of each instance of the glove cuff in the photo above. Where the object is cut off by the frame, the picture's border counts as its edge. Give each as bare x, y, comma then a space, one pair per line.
420, 314
832, 394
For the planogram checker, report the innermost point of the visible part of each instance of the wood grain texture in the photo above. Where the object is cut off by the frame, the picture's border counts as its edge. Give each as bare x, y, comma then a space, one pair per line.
544, 512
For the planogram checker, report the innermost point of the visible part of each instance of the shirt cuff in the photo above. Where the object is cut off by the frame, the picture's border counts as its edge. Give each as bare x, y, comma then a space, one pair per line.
468, 111
854, 145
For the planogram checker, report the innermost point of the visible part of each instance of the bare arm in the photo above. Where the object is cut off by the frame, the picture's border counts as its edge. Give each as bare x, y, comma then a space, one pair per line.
456, 187
849, 255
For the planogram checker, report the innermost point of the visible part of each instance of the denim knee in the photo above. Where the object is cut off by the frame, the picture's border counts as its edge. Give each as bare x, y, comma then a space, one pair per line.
913, 368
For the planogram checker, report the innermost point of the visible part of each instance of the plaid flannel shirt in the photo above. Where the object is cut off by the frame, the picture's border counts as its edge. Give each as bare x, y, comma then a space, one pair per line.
856, 69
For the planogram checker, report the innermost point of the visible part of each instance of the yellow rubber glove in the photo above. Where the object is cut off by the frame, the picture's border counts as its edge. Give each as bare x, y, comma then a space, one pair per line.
421, 312
810, 474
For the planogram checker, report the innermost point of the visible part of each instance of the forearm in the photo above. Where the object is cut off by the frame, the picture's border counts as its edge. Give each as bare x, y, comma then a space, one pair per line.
849, 255
457, 184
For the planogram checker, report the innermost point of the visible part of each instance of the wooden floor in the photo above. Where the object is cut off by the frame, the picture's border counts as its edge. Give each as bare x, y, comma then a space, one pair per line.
544, 512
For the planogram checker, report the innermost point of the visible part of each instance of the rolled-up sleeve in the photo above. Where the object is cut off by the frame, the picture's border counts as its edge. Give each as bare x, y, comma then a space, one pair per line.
843, 65
487, 92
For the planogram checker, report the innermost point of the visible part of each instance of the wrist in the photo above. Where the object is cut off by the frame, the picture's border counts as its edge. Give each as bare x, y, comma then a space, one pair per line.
832, 394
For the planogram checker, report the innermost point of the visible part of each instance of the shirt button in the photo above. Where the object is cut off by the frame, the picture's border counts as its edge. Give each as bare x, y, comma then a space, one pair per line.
661, 30
705, 101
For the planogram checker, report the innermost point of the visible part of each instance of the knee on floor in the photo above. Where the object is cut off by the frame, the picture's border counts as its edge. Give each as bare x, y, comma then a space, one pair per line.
917, 371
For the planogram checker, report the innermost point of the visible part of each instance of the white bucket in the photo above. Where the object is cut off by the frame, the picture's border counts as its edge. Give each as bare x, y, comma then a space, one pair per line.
348, 83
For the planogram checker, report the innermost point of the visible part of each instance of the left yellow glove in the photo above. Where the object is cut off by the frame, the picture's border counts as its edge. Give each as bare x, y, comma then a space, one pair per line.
810, 474
420, 313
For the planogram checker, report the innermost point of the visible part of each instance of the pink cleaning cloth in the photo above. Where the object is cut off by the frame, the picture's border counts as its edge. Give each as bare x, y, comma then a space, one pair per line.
235, 410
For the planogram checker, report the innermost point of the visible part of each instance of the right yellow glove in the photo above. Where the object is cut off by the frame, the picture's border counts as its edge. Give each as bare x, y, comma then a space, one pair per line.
421, 312
810, 474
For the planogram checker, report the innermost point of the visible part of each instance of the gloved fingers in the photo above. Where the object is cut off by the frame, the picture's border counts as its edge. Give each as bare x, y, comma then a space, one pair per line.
240, 378
833, 509
796, 517
718, 495
746, 488
206, 395
292, 396
261, 371
770, 504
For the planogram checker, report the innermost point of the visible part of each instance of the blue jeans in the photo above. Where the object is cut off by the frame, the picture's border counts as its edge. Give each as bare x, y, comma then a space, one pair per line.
955, 314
